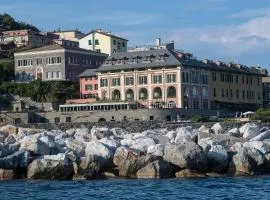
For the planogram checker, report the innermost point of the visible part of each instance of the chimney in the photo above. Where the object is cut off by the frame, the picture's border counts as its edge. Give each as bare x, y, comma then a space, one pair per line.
158, 42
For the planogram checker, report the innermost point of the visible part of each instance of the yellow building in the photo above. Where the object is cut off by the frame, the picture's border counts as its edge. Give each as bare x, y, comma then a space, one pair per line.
104, 42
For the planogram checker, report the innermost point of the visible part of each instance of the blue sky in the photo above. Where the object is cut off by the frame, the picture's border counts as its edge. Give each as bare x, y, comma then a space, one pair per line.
228, 30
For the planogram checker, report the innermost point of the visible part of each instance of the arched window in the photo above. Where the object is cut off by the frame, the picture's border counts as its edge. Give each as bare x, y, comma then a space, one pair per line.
157, 93
129, 94
171, 104
143, 94
194, 91
204, 92
104, 95
171, 93
186, 92
116, 95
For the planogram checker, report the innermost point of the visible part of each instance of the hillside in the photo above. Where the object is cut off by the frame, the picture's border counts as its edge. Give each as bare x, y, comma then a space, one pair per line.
8, 23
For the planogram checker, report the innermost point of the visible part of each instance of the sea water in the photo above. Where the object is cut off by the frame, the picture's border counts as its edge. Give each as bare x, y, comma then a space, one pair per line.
110, 189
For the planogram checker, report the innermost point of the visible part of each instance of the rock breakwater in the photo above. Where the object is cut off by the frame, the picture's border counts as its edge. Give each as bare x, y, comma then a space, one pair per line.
89, 153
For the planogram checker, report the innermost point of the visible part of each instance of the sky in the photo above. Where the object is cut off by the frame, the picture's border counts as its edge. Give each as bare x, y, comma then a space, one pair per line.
227, 30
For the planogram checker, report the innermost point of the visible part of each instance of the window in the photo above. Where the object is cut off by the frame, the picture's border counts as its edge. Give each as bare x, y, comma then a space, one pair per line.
123, 44
68, 119
231, 93
243, 79
195, 104
39, 61
49, 75
243, 94
222, 77
114, 42
157, 79
194, 91
214, 76
96, 42
98, 50
204, 79
115, 81
58, 75
103, 82
129, 81
222, 93
204, 92
54, 75
142, 80
247, 80
237, 93
185, 77
96, 86
205, 104
259, 96
227, 93
88, 87
90, 42
236, 78
171, 78
215, 92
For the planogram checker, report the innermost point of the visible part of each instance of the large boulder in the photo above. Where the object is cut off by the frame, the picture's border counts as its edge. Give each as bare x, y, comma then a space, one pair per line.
234, 132
6, 149
76, 146
156, 150
99, 133
217, 159
89, 168
186, 156
105, 153
50, 169
119, 132
82, 135
112, 143
217, 128
9, 130
156, 169
129, 161
263, 147
187, 173
6, 174
204, 129
142, 143
10, 139
262, 136
249, 130
171, 135
185, 134
34, 145
17, 160
248, 161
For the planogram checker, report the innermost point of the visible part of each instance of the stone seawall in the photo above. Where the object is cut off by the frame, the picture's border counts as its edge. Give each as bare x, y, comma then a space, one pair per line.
134, 126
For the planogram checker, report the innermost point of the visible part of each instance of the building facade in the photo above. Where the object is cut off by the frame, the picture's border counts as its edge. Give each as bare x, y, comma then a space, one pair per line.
72, 35
104, 42
69, 43
55, 62
266, 92
173, 79
23, 38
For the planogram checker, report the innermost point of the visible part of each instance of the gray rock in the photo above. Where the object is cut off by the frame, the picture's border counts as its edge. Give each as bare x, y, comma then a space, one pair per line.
156, 169
156, 150
34, 145
217, 159
142, 143
262, 136
204, 129
217, 128
186, 156
99, 133
185, 134
249, 130
17, 160
119, 132
187, 173
264, 148
234, 132
248, 161
6, 149
10, 139
50, 169
76, 146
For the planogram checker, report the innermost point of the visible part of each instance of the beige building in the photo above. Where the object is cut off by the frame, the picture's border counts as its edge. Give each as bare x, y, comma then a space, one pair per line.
72, 35
168, 78
104, 42
28, 38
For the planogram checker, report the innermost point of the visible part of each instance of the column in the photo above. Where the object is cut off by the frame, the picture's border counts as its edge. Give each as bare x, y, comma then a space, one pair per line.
122, 86
149, 82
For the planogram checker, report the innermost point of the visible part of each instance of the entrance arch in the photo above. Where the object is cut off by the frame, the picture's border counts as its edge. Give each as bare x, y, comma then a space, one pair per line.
157, 93
116, 95
171, 92
39, 73
143, 94
129, 94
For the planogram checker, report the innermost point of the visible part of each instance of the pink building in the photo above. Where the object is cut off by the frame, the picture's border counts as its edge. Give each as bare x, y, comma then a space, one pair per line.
88, 88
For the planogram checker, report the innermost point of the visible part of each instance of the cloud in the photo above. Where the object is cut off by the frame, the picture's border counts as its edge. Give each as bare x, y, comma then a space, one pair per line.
120, 18
251, 35
251, 13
